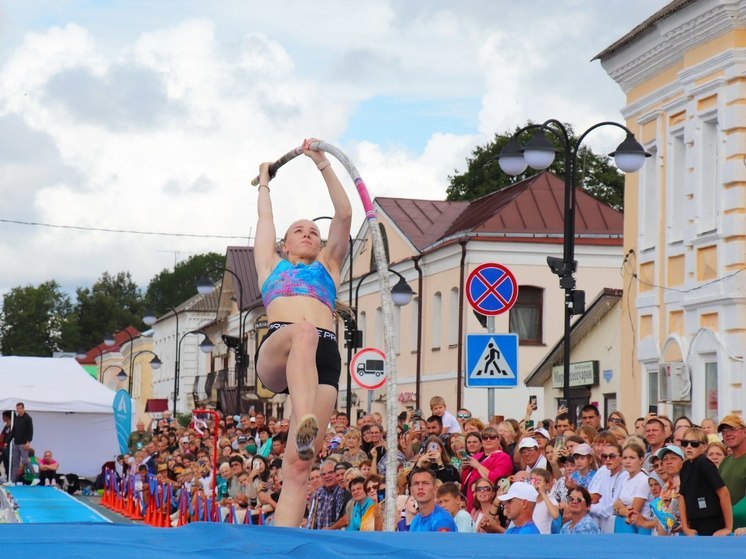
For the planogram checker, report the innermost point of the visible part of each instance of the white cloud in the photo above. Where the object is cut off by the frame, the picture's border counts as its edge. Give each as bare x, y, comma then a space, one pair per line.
157, 120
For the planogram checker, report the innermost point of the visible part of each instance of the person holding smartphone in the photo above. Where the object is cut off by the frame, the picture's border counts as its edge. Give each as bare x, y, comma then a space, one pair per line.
492, 463
436, 458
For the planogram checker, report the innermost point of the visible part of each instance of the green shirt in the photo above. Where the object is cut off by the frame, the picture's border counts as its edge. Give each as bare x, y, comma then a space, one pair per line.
733, 472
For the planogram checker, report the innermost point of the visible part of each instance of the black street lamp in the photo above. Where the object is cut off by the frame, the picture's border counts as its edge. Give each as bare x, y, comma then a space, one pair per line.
401, 295
82, 354
155, 363
348, 327
149, 319
121, 375
539, 154
205, 287
206, 346
110, 340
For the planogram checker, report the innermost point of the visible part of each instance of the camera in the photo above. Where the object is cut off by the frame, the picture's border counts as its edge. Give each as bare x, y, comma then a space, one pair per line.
417, 414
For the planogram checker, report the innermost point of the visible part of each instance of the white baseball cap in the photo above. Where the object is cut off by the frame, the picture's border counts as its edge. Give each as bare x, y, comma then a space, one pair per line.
543, 432
584, 449
528, 442
520, 490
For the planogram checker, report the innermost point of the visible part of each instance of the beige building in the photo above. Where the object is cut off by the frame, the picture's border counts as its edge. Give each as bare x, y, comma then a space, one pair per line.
684, 307
435, 245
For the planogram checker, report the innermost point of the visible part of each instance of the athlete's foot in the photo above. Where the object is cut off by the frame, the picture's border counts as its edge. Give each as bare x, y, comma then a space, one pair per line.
308, 428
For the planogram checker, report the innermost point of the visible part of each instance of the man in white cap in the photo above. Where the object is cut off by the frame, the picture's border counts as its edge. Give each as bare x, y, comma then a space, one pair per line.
532, 457
518, 506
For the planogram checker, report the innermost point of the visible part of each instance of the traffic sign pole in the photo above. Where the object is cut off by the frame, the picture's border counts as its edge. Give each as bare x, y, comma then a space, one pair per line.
490, 390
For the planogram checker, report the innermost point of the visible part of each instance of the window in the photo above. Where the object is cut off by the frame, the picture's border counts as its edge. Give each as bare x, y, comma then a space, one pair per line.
648, 211
525, 315
415, 323
362, 320
385, 240
676, 202
653, 387
711, 390
435, 322
379, 328
397, 329
709, 185
454, 317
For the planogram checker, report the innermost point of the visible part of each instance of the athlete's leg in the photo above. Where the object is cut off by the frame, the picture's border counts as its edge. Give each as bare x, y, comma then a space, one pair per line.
294, 470
287, 359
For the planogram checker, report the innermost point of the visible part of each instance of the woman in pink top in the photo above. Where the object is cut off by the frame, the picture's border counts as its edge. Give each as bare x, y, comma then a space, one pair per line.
492, 463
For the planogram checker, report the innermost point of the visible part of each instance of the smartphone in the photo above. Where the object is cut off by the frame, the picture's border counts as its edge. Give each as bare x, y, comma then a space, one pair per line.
534, 402
410, 408
433, 447
653, 409
463, 455
381, 495
563, 403
529, 424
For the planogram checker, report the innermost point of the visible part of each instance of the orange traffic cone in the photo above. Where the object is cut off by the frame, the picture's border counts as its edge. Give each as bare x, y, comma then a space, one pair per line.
137, 509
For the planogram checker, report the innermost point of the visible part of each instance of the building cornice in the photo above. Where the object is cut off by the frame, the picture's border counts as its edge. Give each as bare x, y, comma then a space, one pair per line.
664, 45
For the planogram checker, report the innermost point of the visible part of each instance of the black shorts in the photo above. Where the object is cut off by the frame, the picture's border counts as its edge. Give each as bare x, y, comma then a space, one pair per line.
328, 360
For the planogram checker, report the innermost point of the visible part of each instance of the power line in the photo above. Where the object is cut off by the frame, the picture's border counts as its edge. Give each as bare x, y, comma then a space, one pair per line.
129, 231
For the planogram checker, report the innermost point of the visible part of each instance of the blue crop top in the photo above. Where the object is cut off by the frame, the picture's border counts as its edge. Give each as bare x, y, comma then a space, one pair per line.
307, 280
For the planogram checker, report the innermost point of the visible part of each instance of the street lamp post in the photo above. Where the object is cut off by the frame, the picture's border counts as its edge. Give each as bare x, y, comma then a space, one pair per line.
149, 319
350, 326
206, 346
121, 375
539, 154
401, 295
110, 340
155, 363
82, 354
205, 287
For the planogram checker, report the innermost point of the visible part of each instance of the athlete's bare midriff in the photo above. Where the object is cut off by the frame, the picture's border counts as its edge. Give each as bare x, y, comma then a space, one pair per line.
300, 309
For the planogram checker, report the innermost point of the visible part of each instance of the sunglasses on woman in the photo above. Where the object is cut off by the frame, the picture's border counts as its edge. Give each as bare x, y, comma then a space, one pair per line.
693, 444
482, 489
611, 456
575, 500
490, 437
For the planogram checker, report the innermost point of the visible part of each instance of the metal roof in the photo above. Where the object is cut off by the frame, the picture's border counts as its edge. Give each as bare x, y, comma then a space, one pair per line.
530, 210
240, 260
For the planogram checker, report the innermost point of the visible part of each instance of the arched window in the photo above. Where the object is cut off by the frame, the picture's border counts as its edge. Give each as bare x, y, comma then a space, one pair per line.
415, 304
454, 315
526, 314
435, 323
385, 240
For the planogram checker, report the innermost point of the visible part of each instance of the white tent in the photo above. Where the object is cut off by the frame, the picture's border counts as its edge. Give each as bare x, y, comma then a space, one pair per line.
72, 412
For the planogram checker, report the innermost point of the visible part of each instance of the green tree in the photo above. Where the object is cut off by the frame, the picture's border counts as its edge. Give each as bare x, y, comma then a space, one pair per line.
596, 174
171, 288
37, 321
113, 303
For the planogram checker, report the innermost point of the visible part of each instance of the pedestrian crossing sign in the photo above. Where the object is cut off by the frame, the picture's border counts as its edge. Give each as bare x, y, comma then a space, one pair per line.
491, 361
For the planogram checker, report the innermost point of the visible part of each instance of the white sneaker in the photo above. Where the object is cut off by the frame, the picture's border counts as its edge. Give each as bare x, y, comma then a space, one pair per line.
54, 483
37, 481
46, 482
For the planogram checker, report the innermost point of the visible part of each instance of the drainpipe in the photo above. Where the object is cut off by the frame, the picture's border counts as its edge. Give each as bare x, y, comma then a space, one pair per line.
418, 366
459, 372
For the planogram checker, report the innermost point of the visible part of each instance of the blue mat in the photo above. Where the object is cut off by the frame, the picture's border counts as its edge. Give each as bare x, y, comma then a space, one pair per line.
50, 505
223, 540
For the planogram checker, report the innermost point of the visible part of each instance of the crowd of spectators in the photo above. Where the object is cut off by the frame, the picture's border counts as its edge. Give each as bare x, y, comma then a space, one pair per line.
456, 473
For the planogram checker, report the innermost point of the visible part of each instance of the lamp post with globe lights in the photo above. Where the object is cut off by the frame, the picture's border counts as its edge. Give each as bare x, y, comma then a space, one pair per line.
205, 287
539, 153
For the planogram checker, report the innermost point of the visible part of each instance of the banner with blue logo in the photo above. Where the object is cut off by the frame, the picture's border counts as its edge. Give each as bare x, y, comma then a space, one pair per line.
123, 418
